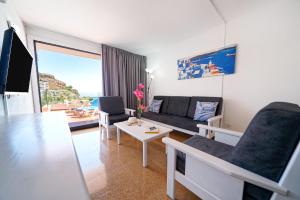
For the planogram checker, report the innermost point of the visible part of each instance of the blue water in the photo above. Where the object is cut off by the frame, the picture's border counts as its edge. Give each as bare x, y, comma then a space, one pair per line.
95, 102
94, 105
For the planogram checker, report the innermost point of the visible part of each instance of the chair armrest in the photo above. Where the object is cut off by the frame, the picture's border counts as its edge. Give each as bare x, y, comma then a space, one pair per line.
103, 113
226, 167
215, 118
220, 130
103, 117
129, 111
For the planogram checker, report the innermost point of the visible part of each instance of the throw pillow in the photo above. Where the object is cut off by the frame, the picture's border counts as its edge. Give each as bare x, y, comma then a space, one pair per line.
155, 105
205, 110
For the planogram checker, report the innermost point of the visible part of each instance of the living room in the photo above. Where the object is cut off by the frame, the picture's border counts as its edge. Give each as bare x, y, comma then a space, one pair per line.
153, 55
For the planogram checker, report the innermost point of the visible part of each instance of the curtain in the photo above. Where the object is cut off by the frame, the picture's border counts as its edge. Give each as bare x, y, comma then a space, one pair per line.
122, 71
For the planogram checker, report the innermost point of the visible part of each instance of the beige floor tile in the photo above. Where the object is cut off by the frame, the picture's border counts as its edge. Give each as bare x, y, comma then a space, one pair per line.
115, 171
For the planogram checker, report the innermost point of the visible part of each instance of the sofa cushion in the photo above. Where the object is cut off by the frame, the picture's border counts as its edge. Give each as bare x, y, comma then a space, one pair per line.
155, 105
211, 147
178, 106
153, 116
193, 103
164, 105
268, 143
117, 118
113, 105
172, 120
205, 110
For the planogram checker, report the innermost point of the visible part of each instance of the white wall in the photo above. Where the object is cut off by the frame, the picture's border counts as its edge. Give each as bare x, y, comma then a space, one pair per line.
165, 66
16, 104
30, 102
39, 34
267, 67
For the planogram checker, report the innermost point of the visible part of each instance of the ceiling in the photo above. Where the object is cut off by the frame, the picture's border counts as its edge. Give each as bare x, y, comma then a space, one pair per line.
140, 26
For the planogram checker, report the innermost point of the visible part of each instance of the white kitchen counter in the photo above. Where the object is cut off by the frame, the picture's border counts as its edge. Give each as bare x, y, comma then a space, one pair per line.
38, 159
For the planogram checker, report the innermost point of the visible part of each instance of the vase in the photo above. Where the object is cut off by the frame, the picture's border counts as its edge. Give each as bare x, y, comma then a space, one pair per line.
138, 115
139, 118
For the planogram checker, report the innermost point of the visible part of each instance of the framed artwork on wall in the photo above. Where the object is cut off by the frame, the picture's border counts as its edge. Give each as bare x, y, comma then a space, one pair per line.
216, 63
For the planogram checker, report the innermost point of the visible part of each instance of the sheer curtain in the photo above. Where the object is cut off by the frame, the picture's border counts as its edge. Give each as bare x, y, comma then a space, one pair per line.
122, 72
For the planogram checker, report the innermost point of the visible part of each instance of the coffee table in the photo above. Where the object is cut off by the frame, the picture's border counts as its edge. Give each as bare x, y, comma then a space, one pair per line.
138, 132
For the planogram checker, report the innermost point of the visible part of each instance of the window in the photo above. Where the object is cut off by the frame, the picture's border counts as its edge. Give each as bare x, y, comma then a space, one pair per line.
70, 80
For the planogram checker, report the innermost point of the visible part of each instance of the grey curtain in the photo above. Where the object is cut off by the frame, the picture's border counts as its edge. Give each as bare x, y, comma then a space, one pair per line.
122, 72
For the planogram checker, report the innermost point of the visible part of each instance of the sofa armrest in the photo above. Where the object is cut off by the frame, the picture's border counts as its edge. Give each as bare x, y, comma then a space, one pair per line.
226, 167
221, 130
129, 111
223, 135
214, 119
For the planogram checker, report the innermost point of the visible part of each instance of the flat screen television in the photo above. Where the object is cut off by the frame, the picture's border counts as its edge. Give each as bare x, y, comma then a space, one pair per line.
16, 63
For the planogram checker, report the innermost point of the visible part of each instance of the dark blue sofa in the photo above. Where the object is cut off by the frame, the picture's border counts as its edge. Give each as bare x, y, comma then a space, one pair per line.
178, 112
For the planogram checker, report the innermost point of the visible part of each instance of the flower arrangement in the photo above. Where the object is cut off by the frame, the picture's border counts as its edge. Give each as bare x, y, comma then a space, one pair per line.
138, 92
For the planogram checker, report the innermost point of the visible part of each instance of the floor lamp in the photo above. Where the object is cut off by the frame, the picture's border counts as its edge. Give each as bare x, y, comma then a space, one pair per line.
150, 77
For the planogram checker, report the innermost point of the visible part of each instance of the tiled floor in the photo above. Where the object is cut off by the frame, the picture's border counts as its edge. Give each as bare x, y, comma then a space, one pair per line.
115, 171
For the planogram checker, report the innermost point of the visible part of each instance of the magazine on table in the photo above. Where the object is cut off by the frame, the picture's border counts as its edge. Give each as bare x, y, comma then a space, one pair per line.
152, 130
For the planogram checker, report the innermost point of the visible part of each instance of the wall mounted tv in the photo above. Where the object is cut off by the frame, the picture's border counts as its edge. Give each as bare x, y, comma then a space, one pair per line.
15, 65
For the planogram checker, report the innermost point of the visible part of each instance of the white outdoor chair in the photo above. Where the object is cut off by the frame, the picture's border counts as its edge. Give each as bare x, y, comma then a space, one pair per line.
263, 163
111, 110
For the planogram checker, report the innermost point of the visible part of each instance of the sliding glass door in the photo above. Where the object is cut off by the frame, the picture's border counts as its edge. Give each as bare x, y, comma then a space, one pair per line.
70, 80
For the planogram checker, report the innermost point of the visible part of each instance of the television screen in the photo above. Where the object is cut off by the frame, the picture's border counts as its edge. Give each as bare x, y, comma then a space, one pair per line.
16, 64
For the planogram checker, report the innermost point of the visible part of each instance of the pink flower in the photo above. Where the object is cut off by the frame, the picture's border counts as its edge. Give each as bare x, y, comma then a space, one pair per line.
142, 107
135, 92
139, 94
141, 86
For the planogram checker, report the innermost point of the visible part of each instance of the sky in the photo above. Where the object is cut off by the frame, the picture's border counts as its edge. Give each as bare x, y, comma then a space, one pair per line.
84, 74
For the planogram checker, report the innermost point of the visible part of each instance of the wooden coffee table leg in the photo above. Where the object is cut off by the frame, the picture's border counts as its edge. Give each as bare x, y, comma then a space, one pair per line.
145, 154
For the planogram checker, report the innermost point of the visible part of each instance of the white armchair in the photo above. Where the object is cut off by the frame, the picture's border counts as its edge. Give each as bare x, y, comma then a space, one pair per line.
271, 174
111, 111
